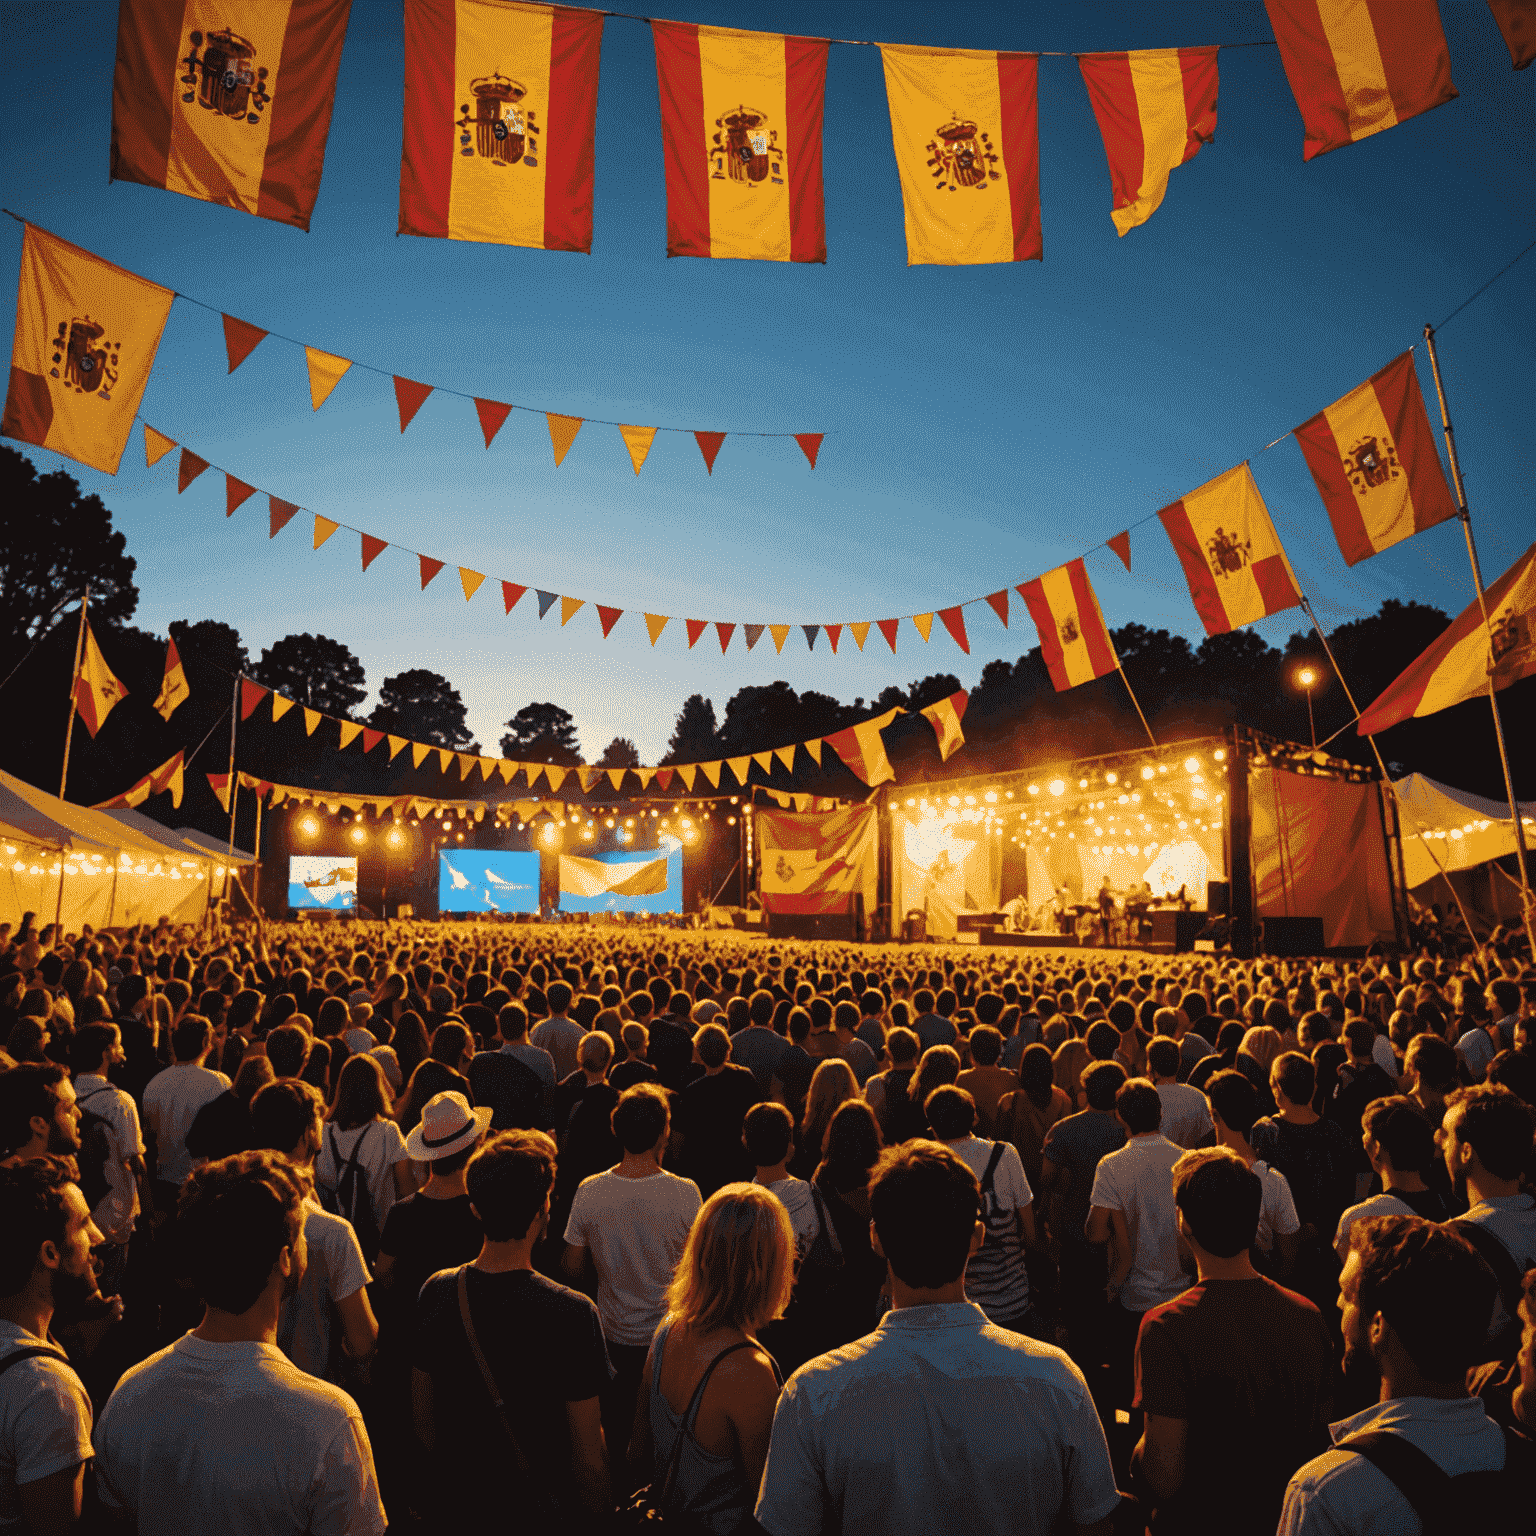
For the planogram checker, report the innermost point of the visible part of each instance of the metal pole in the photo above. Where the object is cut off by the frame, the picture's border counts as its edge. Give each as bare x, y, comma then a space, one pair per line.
74, 705
1311, 721
1137, 702
234, 791
1527, 914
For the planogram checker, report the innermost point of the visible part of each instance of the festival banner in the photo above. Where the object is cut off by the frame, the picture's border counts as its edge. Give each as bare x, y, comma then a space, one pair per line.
1517, 23
1236, 570
862, 750
173, 686
500, 109
592, 877
741, 116
966, 135
1357, 67
86, 337
1074, 640
1372, 457
945, 718
228, 102
96, 690
815, 863
170, 775
1155, 108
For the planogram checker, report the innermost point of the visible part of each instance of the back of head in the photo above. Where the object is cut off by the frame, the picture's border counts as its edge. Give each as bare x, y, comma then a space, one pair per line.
1165, 1021
362, 1093
1163, 1057
641, 1117
922, 1000
635, 1037
288, 1049
282, 1112
1037, 1073
509, 1179
924, 1202
450, 1042
951, 1112
986, 1045
1140, 1106
760, 1008
737, 1267
1102, 1081
713, 1045
90, 1044
1102, 1040
1360, 1037
767, 1131
558, 995
903, 1046
234, 1218
595, 1051
846, 1016
1435, 1062
1406, 1137
1219, 1196
1295, 1076
1234, 1098
191, 1037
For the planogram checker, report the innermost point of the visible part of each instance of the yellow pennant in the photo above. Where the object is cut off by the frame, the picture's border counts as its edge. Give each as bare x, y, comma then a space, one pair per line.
587, 777
556, 777
814, 748
349, 733
506, 768
280, 707
739, 766
616, 777
569, 608
396, 746
654, 624
645, 775
638, 440
444, 757
786, 755
533, 770
780, 633
466, 762
924, 622
764, 760
688, 772
156, 446
470, 581
711, 772
324, 528
860, 633
562, 433
325, 371
419, 750
311, 720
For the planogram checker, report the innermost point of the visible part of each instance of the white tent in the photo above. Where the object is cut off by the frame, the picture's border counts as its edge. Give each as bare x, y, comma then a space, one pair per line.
1447, 829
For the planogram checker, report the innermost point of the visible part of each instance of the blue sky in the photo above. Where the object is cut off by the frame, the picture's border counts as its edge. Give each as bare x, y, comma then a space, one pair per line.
984, 423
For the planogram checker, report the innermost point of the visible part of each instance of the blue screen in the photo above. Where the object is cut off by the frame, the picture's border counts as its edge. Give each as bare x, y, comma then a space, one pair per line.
322, 880
670, 900
485, 880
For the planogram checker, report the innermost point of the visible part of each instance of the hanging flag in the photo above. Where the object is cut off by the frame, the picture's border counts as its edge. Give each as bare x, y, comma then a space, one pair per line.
965, 129
638, 441
280, 514
251, 695
1121, 544
954, 621
168, 776
924, 625
616, 778
230, 103
1236, 570
862, 750
816, 863
471, 582
724, 632
1155, 108
371, 738
810, 445
325, 371
311, 720
500, 107
324, 528
780, 633
372, 548
1517, 21
998, 601
739, 767
85, 340
1462, 662
562, 433
741, 135
1074, 642
236, 494
173, 686
834, 634
219, 784
280, 707
1372, 457
546, 601
695, 627
190, 466
569, 608
511, 594
608, 617
712, 773
241, 338
492, 414
1356, 67
860, 633
96, 690
709, 445
409, 397
753, 633
419, 750
156, 446
945, 718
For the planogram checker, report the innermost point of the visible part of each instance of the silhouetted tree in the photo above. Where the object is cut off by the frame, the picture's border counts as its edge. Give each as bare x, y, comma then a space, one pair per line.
621, 752
542, 733
424, 706
695, 734
313, 670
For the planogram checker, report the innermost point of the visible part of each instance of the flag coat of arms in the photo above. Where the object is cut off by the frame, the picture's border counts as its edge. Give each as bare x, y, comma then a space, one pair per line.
1074, 641
592, 877
1372, 456
228, 101
741, 117
86, 337
816, 861
96, 690
500, 111
1357, 67
966, 133
1462, 662
1236, 570
1155, 108
173, 686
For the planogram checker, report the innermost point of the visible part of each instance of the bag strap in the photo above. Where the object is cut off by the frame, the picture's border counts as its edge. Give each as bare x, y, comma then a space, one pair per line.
691, 1416
1499, 1259
989, 1178
824, 1217
33, 1351
1415, 1475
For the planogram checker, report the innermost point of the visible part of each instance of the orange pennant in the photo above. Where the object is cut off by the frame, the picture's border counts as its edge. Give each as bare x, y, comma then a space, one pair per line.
324, 528
654, 624
470, 581
999, 602
156, 446
569, 608
696, 627
562, 433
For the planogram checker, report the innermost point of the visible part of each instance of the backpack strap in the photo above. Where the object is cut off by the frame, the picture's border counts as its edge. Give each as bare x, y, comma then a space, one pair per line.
34, 1351
989, 1178
1415, 1475
824, 1217
1499, 1259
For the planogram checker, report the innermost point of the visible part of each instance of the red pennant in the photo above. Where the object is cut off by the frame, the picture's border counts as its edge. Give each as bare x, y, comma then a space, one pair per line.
954, 622
492, 413
372, 549
834, 634
709, 446
1121, 544
251, 694
725, 631
609, 617
283, 513
371, 738
511, 594
409, 396
429, 569
191, 468
235, 493
240, 339
696, 627
999, 602
888, 628
810, 444
664, 777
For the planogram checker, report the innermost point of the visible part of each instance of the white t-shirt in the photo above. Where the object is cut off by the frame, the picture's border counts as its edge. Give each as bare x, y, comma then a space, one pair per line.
995, 1278
336, 1270
635, 1230
45, 1421
1277, 1209
117, 1208
1186, 1115
1138, 1181
796, 1198
171, 1103
383, 1147
234, 1439
1384, 1204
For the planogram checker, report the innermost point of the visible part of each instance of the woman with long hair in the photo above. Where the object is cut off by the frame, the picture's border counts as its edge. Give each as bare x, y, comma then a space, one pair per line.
708, 1393
360, 1127
429, 1079
853, 1147
1254, 1058
410, 1043
222, 1126
832, 1084
1025, 1115
938, 1066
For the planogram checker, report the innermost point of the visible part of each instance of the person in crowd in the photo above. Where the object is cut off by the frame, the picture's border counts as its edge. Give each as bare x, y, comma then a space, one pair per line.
559, 1034
173, 1098
986, 1080
221, 1431
1003, 1428
889, 1093
517, 1078
633, 1068
222, 1126
1186, 1115
360, 1135
709, 1113
1234, 1105
793, 1070
39, 1114
1360, 1081
832, 1084
852, 1149
112, 1155
670, 1048
1493, 1033
1400, 1147
428, 1080
288, 1048
768, 1137
709, 1387
755, 1045
1026, 1114
508, 1367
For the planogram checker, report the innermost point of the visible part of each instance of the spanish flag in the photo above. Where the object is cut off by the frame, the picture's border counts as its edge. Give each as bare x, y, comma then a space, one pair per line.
229, 102
966, 132
862, 751
86, 336
945, 718
173, 686
96, 690
500, 110
1358, 66
1155, 107
741, 134
1074, 642
1372, 456
1236, 570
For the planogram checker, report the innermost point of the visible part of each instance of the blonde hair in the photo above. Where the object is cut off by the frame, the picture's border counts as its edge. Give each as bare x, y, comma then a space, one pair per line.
1263, 1044
737, 1267
832, 1084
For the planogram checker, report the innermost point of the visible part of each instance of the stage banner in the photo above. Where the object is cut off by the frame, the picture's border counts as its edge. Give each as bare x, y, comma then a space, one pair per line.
941, 866
1356, 67
1372, 457
592, 877
741, 116
229, 102
1074, 641
500, 110
966, 134
86, 337
815, 862
1236, 570
1155, 108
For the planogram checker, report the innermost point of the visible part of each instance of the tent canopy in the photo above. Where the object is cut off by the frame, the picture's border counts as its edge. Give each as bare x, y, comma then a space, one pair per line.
1449, 829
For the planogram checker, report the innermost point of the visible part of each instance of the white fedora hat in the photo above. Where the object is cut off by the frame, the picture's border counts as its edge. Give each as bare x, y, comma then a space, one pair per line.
448, 1125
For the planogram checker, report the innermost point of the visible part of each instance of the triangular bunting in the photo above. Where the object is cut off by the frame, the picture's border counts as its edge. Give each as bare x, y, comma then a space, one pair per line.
860, 633
654, 624
725, 631
419, 750
608, 618
311, 720
324, 528
240, 340
1121, 544
664, 778
764, 760
281, 513
466, 764
350, 731
645, 775
546, 601
811, 631
696, 627
814, 748
219, 784
556, 776
372, 549
191, 467
834, 634
954, 622
562, 433
445, 756
533, 770
156, 446
409, 396
511, 594
236, 493
371, 738
280, 707
251, 694
810, 445
470, 581
429, 569
586, 777
786, 755
616, 778
688, 772
888, 628
325, 371
924, 622
712, 773
397, 744
638, 440
709, 445
569, 608
999, 602
780, 633
752, 633
740, 767
492, 414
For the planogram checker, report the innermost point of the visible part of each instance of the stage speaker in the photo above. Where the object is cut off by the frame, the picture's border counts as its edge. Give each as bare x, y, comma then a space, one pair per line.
1218, 898
810, 925
1290, 937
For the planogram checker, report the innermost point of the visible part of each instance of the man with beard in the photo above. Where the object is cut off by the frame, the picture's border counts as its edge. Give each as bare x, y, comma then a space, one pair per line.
38, 1113
221, 1432
45, 1414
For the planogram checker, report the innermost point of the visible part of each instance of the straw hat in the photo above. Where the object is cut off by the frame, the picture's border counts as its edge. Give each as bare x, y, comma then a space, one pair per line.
448, 1125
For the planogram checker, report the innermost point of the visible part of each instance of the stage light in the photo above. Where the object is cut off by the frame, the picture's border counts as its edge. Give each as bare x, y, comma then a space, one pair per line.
1057, 787
1149, 772
629, 821
309, 826
990, 797
447, 825
1192, 765
954, 799
654, 815
1111, 777
1082, 783
1034, 789
910, 802
551, 832
609, 823
730, 821
395, 837
460, 837
1220, 754
586, 834
969, 800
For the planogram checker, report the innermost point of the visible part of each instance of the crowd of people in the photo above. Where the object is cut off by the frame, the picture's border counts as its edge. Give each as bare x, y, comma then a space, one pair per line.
342, 1228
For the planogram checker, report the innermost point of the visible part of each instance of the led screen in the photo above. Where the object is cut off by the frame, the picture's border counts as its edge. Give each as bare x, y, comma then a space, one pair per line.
484, 880
322, 880
575, 879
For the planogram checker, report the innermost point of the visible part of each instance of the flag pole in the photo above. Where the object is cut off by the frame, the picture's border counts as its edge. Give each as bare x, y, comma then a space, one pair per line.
74, 701
234, 787
1134, 700
1482, 602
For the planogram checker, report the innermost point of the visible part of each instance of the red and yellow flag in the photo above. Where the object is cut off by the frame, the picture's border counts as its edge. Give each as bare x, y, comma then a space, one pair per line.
1236, 570
229, 102
1517, 22
500, 109
169, 775
966, 132
86, 337
1372, 456
1074, 642
862, 751
1155, 107
1358, 66
96, 689
741, 131
945, 718
173, 686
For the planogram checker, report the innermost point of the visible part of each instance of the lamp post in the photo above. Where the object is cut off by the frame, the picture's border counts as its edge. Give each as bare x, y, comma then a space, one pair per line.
1307, 677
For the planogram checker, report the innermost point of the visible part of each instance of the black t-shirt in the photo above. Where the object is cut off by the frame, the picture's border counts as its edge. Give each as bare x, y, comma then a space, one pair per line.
671, 1053
628, 1073
422, 1236
709, 1115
